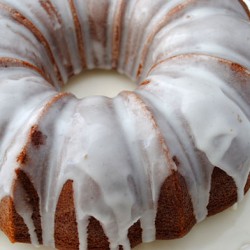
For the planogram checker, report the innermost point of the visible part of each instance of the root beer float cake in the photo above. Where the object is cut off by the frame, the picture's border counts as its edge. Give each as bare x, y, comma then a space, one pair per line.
110, 173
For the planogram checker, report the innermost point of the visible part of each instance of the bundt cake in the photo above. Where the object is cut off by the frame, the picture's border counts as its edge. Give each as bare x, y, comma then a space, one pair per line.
110, 173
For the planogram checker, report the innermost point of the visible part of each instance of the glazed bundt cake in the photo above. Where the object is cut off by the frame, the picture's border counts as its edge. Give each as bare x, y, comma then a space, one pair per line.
102, 173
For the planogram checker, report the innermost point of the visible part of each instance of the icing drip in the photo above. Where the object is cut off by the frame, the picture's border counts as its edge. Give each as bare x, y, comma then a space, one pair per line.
25, 210
193, 106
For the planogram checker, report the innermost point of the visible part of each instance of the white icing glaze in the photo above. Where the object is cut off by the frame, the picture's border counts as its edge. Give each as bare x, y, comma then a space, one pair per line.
195, 107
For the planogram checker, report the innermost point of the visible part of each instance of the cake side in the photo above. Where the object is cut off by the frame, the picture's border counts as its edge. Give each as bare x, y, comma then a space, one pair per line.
174, 216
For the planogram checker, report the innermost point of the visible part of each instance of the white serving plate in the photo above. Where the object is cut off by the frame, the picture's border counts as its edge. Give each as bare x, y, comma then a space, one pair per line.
229, 230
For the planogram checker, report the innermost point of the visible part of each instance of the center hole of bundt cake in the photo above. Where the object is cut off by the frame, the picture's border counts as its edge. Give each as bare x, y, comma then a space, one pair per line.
98, 82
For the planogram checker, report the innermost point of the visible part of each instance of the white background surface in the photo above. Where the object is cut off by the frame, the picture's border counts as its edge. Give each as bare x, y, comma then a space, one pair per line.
229, 230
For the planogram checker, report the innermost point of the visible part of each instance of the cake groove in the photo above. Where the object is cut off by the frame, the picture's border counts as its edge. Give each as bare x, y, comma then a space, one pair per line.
78, 33
29, 26
13, 62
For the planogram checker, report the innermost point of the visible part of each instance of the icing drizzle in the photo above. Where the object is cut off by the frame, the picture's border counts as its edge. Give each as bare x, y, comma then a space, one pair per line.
195, 106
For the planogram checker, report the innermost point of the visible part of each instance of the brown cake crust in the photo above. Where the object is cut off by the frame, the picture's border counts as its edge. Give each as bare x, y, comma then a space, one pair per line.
223, 193
33, 200
11, 223
174, 217
65, 220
